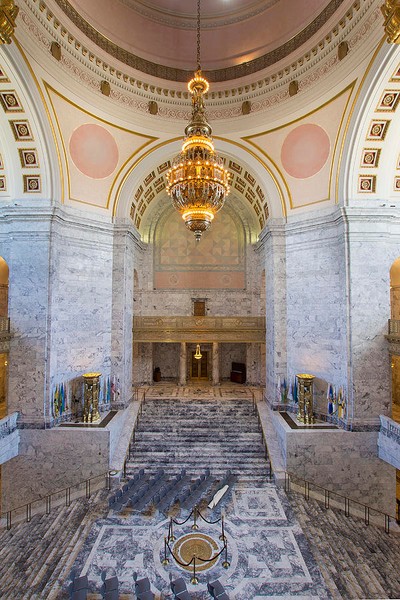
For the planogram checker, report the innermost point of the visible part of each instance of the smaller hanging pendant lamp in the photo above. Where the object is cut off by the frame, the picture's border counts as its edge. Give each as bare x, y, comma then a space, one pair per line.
198, 354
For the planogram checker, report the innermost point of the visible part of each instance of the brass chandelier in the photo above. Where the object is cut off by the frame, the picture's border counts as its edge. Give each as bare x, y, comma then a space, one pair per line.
198, 182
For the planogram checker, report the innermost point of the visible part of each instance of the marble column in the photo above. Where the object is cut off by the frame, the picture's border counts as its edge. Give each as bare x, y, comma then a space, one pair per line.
215, 363
182, 364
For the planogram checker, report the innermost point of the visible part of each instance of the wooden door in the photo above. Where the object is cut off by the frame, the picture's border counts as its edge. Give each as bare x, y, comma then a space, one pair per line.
199, 367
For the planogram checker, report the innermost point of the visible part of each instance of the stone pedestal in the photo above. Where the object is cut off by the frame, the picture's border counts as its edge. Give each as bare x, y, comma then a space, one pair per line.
91, 397
306, 406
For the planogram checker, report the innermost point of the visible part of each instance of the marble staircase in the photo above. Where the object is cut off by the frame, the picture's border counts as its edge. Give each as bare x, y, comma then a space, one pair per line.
356, 561
36, 557
195, 434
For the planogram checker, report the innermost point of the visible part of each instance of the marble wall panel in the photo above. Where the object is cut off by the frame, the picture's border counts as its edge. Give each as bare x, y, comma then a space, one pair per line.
26, 248
316, 308
373, 247
142, 367
273, 258
52, 459
166, 357
230, 353
123, 277
343, 461
81, 288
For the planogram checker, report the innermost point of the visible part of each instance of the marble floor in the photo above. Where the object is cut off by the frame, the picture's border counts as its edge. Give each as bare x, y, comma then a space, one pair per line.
268, 553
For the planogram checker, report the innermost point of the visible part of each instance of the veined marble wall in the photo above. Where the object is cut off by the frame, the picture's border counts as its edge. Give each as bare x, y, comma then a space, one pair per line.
52, 459
272, 259
166, 357
316, 302
81, 292
327, 305
125, 247
230, 353
343, 461
70, 304
374, 242
25, 245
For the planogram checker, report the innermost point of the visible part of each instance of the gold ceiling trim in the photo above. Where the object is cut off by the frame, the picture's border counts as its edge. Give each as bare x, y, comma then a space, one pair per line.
351, 112
218, 75
223, 139
249, 139
149, 139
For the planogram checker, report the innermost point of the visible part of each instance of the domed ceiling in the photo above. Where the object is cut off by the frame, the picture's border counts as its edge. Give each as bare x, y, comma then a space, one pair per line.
238, 37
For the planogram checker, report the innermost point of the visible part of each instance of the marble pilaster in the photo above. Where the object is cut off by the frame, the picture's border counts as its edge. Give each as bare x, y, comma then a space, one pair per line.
182, 364
124, 251
215, 364
273, 257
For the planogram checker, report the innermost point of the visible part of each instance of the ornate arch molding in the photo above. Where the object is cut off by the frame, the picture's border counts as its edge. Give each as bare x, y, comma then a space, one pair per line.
143, 185
255, 188
30, 165
370, 170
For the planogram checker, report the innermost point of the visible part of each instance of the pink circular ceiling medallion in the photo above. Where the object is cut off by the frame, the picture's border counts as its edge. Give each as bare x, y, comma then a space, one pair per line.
305, 151
94, 151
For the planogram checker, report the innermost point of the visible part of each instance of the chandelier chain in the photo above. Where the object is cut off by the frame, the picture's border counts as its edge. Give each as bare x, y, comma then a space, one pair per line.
198, 34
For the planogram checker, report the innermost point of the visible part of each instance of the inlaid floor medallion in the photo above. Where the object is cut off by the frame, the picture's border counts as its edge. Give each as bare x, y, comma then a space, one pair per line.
200, 545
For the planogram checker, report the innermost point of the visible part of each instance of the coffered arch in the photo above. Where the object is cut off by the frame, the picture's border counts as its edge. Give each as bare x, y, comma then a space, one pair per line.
254, 186
31, 167
371, 171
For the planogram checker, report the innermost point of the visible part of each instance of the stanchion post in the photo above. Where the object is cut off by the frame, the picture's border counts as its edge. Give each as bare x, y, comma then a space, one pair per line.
226, 564
387, 523
165, 560
222, 536
195, 526
194, 580
171, 531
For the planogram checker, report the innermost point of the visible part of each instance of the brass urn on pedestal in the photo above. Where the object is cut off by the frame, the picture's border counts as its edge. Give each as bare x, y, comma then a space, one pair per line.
305, 394
91, 393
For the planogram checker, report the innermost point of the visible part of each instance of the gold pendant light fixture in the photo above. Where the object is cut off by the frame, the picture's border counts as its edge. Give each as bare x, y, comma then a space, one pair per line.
198, 353
198, 182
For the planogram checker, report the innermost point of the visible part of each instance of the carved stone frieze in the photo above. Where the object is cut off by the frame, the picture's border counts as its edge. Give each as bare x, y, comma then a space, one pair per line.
199, 329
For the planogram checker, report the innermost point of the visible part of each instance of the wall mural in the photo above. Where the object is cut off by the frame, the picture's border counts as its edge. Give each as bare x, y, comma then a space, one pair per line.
216, 262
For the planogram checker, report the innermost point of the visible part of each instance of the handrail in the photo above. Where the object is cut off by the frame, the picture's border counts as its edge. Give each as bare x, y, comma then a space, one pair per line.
264, 440
48, 498
27, 507
328, 496
135, 426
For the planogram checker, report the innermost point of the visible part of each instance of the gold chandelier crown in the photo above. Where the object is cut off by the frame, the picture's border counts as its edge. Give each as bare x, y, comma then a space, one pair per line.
198, 182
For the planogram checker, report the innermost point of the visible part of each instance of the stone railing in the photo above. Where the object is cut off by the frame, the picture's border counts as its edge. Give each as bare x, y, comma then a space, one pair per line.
389, 441
9, 438
199, 329
8, 425
390, 428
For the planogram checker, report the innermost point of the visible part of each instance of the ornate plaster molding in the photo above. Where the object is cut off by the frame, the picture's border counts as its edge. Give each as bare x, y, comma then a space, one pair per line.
90, 70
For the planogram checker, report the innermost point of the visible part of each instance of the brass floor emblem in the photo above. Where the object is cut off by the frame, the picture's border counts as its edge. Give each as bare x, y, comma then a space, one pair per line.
196, 544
